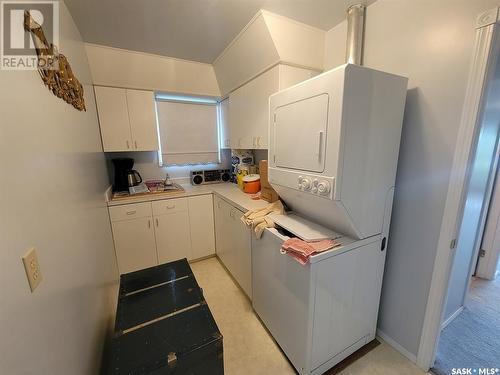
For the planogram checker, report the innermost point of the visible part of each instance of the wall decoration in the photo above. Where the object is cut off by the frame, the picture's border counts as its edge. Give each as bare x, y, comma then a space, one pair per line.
54, 67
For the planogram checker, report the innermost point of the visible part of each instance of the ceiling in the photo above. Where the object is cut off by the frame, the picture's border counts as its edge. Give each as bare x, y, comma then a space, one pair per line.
196, 30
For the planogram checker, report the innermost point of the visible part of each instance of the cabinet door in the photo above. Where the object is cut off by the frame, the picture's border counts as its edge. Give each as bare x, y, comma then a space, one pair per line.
238, 137
222, 231
201, 224
113, 118
241, 245
225, 140
249, 111
219, 228
142, 114
134, 244
173, 240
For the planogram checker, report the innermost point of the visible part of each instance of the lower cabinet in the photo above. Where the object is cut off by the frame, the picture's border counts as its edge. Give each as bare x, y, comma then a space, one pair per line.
173, 240
134, 237
233, 240
152, 233
201, 225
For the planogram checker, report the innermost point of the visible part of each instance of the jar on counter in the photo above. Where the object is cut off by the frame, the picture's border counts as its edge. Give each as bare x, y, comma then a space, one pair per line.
251, 183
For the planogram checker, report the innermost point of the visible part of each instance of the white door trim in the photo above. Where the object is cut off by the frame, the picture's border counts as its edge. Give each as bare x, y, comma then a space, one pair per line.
467, 136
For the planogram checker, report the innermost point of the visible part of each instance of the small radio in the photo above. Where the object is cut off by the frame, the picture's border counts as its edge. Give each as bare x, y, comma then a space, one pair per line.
210, 176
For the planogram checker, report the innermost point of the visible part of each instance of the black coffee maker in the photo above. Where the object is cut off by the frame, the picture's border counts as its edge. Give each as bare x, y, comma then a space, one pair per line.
125, 176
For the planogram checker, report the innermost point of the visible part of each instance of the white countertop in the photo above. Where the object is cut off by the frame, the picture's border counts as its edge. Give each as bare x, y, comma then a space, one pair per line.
225, 190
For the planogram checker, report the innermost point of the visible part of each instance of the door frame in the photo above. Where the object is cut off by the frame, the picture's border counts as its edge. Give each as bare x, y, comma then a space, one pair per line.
483, 61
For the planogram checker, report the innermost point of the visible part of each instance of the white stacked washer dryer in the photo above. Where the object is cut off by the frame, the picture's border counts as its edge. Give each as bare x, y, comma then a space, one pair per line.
334, 144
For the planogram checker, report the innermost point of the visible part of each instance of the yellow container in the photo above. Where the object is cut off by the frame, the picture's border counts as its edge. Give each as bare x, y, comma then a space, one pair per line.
239, 180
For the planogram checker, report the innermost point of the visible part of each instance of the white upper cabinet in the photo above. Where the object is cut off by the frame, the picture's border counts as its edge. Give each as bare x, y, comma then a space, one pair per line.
127, 119
142, 115
248, 111
249, 105
113, 118
225, 140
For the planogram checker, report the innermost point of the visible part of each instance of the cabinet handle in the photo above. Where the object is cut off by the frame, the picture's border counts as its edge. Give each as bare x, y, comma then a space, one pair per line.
128, 145
170, 207
156, 220
131, 212
149, 224
135, 143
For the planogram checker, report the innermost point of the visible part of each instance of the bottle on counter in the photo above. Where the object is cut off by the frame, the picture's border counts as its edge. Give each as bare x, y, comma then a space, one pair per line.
242, 172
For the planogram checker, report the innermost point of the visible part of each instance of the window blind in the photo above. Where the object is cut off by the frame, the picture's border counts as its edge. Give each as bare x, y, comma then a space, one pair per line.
188, 133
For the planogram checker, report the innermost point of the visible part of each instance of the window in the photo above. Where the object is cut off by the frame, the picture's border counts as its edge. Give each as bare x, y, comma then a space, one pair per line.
188, 130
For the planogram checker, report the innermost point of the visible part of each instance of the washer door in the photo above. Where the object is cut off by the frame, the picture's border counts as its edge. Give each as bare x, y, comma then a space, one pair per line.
300, 131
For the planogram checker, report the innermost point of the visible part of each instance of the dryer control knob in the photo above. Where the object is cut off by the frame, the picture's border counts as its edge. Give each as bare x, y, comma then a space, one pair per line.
324, 187
306, 183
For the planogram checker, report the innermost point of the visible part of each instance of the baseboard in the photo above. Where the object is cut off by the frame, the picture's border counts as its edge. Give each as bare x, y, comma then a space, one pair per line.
412, 357
452, 317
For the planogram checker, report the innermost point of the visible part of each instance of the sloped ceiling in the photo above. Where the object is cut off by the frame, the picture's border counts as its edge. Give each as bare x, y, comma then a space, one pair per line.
197, 30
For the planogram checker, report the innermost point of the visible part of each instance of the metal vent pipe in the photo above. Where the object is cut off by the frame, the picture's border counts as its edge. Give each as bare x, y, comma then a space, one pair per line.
355, 34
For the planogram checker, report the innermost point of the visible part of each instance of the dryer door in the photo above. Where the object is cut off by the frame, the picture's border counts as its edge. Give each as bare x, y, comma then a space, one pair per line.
300, 131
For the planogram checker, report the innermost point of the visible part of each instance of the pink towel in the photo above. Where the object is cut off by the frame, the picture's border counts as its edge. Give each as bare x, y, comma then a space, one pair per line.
301, 250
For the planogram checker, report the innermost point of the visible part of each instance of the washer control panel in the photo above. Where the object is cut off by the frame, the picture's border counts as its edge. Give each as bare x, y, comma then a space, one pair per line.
314, 185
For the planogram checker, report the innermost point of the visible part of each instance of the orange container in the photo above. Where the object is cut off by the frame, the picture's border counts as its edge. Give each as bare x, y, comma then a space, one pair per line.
251, 183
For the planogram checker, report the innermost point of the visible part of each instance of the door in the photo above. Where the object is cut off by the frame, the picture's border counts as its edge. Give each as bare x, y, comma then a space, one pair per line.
225, 141
201, 224
134, 244
113, 118
142, 114
173, 240
300, 131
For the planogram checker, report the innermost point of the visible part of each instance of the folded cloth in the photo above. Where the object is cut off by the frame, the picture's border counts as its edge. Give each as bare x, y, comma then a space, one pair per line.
259, 219
301, 250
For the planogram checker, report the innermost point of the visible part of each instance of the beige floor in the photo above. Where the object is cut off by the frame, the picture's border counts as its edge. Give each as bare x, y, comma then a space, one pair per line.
248, 347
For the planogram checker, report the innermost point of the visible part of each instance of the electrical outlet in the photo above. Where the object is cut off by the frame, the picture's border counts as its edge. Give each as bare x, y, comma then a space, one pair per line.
32, 268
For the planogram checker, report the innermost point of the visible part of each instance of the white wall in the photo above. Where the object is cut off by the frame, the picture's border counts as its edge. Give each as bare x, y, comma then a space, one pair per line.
268, 39
138, 70
146, 163
431, 43
52, 197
